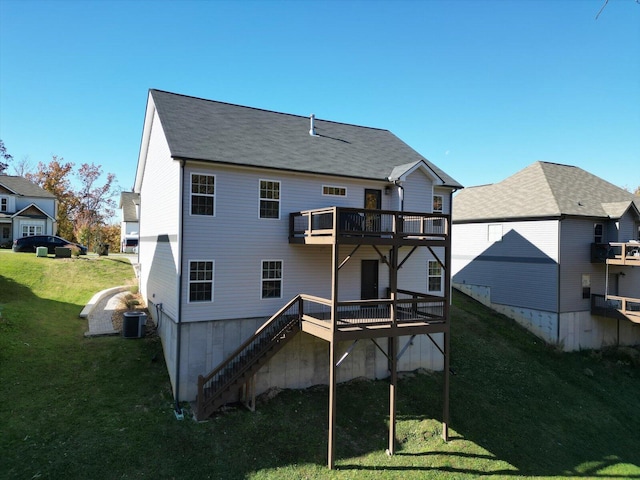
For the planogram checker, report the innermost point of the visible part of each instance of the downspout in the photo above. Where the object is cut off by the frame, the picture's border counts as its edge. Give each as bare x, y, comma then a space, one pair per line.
177, 409
559, 290
400, 193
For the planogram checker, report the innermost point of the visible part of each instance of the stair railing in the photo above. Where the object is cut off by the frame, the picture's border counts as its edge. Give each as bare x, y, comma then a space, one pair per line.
215, 383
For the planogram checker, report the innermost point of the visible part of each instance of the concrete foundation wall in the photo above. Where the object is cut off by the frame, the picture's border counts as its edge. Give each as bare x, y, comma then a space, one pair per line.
581, 330
303, 362
571, 331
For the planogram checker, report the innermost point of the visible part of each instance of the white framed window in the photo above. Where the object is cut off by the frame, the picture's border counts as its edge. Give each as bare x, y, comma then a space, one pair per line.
30, 229
203, 194
201, 280
269, 199
434, 276
586, 286
334, 191
4, 204
598, 232
494, 232
438, 204
271, 285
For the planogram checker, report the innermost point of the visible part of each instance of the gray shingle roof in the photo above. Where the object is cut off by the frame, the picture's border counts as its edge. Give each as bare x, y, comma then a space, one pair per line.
543, 190
22, 186
214, 131
128, 202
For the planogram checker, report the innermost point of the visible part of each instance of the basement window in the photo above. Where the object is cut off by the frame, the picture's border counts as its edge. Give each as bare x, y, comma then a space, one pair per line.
201, 281
271, 279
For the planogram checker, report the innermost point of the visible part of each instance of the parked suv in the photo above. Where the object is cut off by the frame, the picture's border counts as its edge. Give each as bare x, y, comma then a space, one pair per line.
31, 243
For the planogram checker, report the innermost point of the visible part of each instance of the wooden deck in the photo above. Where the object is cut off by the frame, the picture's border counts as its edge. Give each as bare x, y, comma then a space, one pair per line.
614, 306
415, 314
337, 225
626, 254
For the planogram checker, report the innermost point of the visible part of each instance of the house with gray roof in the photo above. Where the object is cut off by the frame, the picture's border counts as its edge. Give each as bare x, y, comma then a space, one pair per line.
247, 214
555, 248
25, 209
129, 225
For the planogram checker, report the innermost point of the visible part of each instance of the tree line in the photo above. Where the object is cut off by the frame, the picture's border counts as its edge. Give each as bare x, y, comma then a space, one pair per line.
86, 208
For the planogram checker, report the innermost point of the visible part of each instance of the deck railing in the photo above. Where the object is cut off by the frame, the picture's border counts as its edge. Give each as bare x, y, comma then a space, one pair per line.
275, 330
616, 307
624, 253
346, 222
411, 307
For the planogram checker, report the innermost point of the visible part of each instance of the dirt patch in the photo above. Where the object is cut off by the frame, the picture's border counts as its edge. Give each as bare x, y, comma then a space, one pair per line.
131, 302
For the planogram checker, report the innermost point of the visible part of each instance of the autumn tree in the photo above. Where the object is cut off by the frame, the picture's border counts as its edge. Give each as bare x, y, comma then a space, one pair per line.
54, 178
4, 158
83, 213
110, 234
95, 204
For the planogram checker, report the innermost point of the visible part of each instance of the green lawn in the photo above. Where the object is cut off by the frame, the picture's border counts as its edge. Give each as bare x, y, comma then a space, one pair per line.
101, 408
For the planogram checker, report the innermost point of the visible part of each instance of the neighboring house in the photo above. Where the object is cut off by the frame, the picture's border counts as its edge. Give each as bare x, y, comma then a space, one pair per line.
543, 247
25, 209
244, 212
130, 226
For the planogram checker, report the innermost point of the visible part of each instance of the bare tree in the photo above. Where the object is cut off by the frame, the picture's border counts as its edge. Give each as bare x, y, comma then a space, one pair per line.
4, 156
605, 4
22, 167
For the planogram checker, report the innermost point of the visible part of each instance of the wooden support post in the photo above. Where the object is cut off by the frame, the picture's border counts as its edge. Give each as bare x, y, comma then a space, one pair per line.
393, 349
447, 334
445, 393
332, 404
333, 354
393, 386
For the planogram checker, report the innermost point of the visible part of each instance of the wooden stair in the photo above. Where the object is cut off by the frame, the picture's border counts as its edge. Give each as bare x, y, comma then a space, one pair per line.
221, 385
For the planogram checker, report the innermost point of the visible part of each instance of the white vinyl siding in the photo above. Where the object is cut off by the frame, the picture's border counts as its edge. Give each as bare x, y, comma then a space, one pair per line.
521, 270
576, 238
159, 224
494, 232
418, 193
239, 241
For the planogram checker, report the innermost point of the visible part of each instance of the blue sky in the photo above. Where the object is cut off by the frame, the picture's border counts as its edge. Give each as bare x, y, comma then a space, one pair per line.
480, 88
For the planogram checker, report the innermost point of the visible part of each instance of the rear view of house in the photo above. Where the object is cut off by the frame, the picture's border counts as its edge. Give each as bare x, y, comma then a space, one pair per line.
279, 250
553, 247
